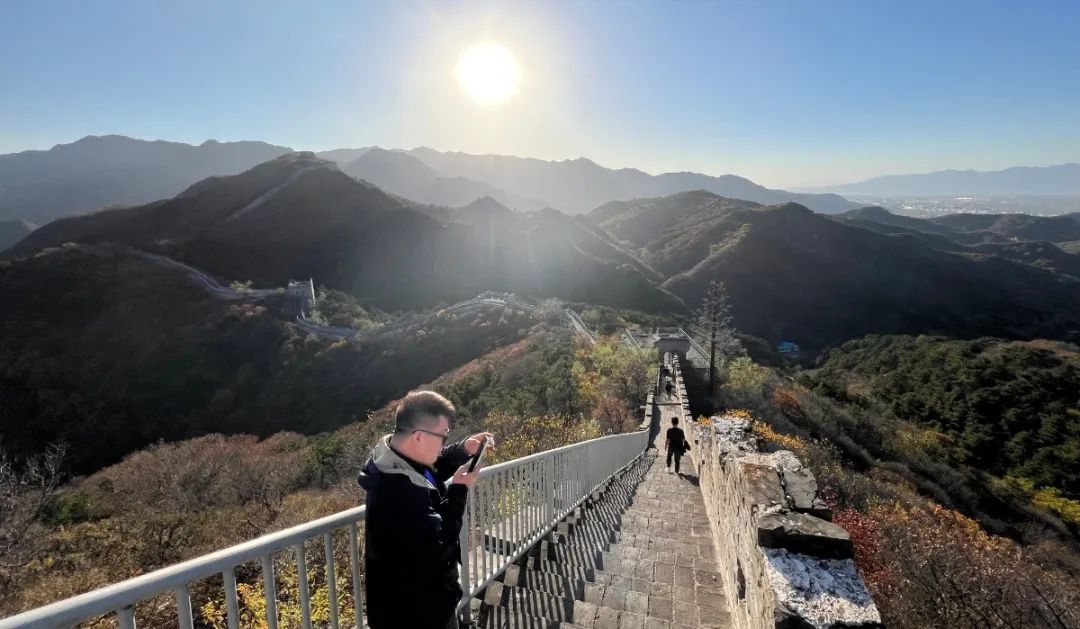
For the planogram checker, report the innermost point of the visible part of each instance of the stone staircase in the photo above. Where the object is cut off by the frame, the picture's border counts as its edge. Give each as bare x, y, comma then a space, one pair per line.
638, 554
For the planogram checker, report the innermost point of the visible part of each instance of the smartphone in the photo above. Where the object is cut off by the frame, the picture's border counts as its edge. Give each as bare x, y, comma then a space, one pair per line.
479, 455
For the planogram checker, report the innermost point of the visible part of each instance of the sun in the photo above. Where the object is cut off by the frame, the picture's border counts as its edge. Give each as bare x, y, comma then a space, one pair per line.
488, 73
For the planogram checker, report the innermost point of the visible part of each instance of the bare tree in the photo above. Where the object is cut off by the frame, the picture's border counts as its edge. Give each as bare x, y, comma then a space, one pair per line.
26, 487
714, 328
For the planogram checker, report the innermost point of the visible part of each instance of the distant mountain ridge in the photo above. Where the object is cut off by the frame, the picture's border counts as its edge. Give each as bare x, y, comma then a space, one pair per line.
110, 170
796, 275
406, 176
524, 183
12, 232
298, 216
971, 229
1062, 179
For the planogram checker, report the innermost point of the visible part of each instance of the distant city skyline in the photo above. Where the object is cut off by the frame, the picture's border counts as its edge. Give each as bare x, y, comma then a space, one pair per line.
789, 95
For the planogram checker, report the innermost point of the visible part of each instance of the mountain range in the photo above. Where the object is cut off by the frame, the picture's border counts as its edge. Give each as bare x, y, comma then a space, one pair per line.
974, 229
796, 275
299, 216
1062, 179
792, 274
109, 351
572, 186
102, 171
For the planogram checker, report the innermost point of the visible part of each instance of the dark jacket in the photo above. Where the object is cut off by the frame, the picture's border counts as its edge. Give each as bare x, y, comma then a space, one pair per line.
676, 440
411, 543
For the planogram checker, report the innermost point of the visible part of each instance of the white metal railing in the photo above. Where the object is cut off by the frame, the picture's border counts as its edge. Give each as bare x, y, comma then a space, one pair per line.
512, 506
695, 344
120, 598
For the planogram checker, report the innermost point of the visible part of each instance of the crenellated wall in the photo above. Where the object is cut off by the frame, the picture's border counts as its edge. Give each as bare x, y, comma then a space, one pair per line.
785, 564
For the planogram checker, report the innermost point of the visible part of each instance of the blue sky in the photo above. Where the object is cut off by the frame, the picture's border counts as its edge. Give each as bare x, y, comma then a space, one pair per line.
786, 92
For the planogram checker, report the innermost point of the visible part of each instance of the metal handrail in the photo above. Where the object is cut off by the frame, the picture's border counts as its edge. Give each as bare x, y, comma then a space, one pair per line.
511, 507
694, 343
515, 504
121, 597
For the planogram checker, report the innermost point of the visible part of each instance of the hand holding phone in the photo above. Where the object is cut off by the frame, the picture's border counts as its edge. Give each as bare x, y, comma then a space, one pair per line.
479, 455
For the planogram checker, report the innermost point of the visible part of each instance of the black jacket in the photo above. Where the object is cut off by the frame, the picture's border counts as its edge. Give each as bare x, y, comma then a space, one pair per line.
411, 544
676, 440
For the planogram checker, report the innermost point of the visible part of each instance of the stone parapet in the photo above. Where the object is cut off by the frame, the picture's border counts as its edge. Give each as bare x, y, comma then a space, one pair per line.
783, 562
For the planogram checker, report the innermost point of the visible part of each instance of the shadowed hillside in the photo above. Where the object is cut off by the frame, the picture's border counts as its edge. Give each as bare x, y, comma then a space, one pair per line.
112, 352
793, 274
298, 216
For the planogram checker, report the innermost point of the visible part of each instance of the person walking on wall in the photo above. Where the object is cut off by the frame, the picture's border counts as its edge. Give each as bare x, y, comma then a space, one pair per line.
675, 444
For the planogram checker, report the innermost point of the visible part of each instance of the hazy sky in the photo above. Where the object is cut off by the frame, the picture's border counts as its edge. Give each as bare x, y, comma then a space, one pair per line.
785, 92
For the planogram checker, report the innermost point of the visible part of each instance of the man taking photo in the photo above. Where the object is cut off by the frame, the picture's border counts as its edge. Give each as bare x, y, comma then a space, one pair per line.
414, 517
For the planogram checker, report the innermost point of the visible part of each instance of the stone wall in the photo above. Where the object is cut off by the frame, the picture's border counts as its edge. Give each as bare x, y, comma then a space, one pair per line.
785, 564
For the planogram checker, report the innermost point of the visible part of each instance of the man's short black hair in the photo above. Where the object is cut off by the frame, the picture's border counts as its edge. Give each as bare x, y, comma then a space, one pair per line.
674, 421
421, 409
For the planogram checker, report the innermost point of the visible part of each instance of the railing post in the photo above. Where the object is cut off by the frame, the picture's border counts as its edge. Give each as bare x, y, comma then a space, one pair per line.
331, 579
126, 617
354, 555
464, 547
549, 488
183, 608
231, 604
302, 581
269, 591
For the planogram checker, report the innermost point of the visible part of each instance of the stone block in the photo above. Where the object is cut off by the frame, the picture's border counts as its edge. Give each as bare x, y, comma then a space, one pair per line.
660, 607
493, 594
584, 614
762, 485
821, 510
514, 575
660, 589
615, 598
803, 533
685, 613
594, 593
630, 620
637, 602
606, 618
801, 488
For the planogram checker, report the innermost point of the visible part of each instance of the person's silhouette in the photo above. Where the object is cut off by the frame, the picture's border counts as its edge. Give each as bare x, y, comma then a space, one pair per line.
675, 444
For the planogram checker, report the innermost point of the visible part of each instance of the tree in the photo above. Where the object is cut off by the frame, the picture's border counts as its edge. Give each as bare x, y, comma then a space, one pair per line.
713, 326
26, 488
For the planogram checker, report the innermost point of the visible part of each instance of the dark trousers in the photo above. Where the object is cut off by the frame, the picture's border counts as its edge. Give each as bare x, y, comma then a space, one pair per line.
678, 457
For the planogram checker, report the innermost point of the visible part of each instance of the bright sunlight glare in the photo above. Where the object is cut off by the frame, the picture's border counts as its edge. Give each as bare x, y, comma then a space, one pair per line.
488, 73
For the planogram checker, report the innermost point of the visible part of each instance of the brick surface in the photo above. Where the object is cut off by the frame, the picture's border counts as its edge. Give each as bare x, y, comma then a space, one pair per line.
645, 555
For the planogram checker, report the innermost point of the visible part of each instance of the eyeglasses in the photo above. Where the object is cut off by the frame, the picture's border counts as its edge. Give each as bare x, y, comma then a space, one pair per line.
443, 436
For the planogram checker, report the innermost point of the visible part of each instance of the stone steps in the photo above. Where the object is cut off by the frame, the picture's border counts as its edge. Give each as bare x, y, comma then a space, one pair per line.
636, 554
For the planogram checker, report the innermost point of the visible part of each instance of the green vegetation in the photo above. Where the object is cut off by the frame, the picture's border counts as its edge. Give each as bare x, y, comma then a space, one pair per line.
606, 320
605, 383
1007, 408
925, 541
175, 500
113, 353
795, 275
336, 308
